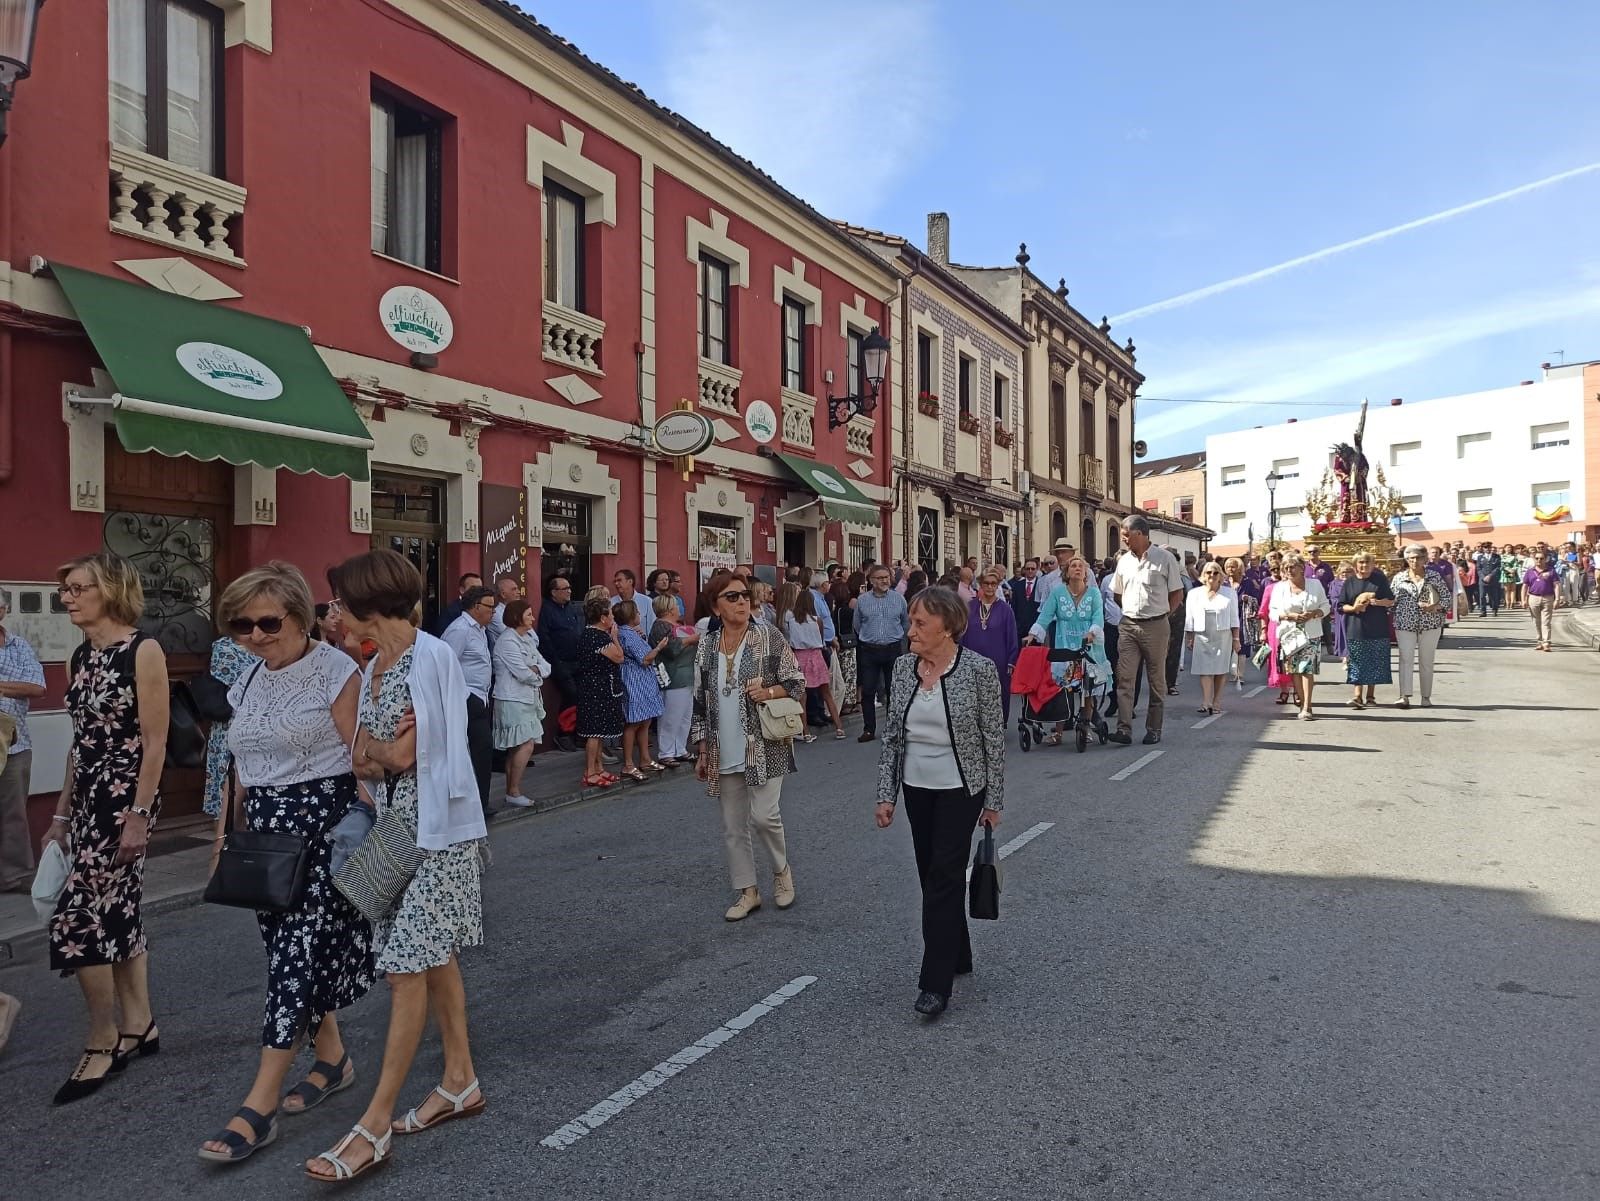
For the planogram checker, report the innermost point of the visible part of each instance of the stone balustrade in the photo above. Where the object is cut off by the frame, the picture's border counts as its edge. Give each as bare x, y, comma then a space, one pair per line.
571, 338
858, 435
168, 203
719, 387
799, 419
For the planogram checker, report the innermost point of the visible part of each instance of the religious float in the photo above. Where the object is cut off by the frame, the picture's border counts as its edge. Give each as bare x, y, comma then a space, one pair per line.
1348, 514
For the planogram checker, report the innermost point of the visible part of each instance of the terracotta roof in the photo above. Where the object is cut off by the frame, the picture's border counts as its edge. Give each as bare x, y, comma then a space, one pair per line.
1168, 466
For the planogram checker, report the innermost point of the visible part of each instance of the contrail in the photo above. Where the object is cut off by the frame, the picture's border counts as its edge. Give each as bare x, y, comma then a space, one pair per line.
1239, 281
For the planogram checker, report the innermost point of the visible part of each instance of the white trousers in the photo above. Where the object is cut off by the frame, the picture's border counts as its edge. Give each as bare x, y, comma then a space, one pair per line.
672, 727
747, 810
1421, 645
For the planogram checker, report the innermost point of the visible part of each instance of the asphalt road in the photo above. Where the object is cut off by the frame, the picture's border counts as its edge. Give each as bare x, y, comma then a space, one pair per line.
1354, 958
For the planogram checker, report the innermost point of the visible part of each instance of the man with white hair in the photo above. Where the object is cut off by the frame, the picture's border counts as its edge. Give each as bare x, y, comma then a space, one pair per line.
21, 681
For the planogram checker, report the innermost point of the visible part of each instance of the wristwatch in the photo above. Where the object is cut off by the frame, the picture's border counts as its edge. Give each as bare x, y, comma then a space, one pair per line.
140, 811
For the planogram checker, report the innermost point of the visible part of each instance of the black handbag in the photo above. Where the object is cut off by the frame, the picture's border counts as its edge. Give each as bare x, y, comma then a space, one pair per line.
186, 741
983, 891
257, 869
210, 697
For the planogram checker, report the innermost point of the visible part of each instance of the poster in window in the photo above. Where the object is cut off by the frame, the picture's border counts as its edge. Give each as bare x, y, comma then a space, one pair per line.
503, 517
719, 549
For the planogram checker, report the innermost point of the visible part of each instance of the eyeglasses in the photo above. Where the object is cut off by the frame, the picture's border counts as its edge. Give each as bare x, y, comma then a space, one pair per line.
561, 588
240, 627
75, 590
487, 601
734, 596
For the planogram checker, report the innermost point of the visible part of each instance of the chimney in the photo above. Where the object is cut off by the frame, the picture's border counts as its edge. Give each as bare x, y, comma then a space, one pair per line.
939, 238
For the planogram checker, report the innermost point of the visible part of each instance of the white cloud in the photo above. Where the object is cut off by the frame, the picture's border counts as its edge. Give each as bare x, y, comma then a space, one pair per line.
833, 100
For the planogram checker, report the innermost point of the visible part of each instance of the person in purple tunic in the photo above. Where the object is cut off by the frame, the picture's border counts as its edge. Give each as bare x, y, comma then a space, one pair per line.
992, 632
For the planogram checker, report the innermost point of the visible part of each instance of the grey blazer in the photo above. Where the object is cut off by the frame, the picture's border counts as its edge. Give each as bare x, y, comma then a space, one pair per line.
976, 722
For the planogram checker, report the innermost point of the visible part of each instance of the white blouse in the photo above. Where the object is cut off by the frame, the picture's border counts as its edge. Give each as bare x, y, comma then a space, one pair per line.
930, 759
282, 730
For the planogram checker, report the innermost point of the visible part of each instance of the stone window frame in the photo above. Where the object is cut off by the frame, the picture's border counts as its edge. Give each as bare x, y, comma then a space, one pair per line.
720, 495
966, 348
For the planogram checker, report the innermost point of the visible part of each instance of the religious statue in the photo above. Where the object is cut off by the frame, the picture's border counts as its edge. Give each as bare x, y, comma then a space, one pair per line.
1350, 470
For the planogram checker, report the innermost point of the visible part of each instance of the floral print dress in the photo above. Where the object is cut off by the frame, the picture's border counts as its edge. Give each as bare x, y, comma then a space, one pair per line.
441, 910
97, 919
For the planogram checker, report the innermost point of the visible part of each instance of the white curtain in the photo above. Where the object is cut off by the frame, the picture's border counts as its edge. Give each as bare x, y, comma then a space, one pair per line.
411, 198
191, 91
127, 73
382, 139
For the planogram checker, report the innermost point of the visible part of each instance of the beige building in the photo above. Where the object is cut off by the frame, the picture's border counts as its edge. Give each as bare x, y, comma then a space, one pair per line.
1077, 444
1174, 486
956, 385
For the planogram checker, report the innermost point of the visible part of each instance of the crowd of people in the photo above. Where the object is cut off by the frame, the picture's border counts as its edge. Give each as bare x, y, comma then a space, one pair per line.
371, 741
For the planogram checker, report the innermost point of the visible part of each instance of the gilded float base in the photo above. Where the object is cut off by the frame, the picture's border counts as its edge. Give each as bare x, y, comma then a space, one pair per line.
1340, 544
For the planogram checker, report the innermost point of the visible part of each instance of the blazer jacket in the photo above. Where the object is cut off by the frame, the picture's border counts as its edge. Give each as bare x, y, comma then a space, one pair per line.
974, 717
768, 658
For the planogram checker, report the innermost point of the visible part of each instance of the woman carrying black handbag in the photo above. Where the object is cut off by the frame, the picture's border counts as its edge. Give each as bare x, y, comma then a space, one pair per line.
944, 746
294, 717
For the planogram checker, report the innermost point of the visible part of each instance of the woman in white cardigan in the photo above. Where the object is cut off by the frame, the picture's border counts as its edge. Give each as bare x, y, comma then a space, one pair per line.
1297, 607
519, 675
412, 747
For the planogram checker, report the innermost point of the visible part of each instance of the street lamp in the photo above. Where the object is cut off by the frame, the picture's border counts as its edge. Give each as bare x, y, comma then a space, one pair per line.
874, 361
19, 21
1272, 508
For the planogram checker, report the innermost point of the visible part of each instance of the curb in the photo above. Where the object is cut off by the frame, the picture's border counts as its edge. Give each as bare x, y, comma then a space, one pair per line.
1579, 630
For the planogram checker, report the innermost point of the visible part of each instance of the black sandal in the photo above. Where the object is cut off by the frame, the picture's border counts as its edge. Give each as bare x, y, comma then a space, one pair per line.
239, 1147
143, 1044
312, 1095
77, 1088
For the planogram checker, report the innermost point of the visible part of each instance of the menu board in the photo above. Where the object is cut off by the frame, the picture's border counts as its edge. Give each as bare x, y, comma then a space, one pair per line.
503, 518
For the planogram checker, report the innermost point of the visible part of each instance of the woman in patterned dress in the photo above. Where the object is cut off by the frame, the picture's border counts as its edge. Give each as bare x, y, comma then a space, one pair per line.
597, 672
643, 689
1073, 618
117, 696
229, 661
414, 708
294, 716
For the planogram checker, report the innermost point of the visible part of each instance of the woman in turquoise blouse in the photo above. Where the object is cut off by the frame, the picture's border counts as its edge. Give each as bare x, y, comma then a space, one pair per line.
1077, 614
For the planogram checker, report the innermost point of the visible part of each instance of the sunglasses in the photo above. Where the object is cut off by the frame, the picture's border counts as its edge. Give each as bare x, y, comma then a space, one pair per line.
731, 597
240, 627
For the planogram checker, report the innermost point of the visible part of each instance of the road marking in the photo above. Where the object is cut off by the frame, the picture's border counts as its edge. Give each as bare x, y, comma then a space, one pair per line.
591, 1120
1142, 761
1023, 839
1256, 691
1205, 721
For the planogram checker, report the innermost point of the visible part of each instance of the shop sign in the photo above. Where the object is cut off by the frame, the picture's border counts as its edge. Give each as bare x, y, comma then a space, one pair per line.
683, 432
416, 320
761, 421
503, 517
229, 370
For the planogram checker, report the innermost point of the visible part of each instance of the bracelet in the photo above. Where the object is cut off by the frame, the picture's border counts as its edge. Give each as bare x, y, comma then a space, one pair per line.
57, 817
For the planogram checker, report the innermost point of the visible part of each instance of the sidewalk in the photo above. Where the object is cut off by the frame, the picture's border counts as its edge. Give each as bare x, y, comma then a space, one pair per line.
1578, 626
178, 865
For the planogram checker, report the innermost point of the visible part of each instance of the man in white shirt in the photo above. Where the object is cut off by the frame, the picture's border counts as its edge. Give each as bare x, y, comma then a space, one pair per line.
626, 585
468, 637
506, 590
1148, 585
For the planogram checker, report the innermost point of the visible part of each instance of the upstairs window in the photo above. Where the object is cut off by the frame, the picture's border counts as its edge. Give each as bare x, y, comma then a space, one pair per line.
166, 80
1232, 476
1548, 437
1287, 469
924, 364
1404, 454
1552, 495
855, 351
1183, 508
1475, 500
713, 309
966, 372
1000, 384
1471, 446
407, 182
794, 345
563, 246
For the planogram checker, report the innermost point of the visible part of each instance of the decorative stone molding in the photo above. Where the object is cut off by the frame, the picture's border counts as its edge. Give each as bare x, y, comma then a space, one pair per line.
858, 435
173, 205
448, 455
724, 431
794, 283
568, 467
854, 316
255, 495
563, 162
714, 239
180, 277
719, 387
86, 444
799, 418
575, 390
247, 23
721, 496
859, 469
571, 337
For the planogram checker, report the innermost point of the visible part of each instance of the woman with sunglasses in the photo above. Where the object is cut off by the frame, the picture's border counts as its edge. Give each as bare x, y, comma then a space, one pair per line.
294, 718
741, 666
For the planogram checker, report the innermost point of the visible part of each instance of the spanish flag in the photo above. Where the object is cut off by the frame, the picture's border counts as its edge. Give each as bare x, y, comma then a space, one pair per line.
1477, 519
1548, 516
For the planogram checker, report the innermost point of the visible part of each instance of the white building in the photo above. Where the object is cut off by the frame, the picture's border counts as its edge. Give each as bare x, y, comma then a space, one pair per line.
1504, 453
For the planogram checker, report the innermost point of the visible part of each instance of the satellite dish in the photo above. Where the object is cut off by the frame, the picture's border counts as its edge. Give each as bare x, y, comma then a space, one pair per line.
1140, 449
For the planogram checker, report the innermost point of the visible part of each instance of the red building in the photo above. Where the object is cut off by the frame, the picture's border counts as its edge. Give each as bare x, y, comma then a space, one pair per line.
507, 260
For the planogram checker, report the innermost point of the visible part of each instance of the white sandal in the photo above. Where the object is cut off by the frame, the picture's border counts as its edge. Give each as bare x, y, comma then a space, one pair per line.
412, 1124
343, 1171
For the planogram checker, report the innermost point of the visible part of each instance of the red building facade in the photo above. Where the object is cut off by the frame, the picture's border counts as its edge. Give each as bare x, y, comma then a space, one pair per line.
511, 262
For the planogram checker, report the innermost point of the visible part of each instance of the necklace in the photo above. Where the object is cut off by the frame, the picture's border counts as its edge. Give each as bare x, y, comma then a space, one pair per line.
729, 658
928, 690
983, 614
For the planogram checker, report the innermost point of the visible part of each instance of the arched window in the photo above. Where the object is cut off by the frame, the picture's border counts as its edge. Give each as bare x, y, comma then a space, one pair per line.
1113, 539
1086, 547
1058, 526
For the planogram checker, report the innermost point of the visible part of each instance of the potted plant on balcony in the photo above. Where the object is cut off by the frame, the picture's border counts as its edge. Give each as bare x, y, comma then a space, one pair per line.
1002, 436
928, 404
968, 423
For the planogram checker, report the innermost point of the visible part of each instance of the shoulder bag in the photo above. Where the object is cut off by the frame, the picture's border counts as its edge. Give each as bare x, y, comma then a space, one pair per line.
781, 719
379, 871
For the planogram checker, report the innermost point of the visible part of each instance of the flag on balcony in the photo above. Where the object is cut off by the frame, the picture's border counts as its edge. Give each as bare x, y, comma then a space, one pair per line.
1553, 514
1483, 518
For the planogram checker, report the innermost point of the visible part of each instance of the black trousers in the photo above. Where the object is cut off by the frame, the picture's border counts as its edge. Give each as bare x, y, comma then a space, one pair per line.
942, 821
480, 745
1175, 624
874, 667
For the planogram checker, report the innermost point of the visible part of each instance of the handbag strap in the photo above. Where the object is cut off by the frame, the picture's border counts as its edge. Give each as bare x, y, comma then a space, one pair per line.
227, 816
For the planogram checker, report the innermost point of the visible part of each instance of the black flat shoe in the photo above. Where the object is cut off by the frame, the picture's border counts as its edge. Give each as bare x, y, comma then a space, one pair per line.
77, 1088
1119, 737
339, 1076
1151, 738
239, 1147
143, 1044
931, 1004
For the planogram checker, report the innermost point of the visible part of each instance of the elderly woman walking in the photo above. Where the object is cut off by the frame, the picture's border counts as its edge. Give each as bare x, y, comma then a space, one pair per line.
1419, 605
742, 665
117, 697
992, 632
294, 718
1298, 607
1072, 617
1269, 630
1211, 625
1365, 601
944, 749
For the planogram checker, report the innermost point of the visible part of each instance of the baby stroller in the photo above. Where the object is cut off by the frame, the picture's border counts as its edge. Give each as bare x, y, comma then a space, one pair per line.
1065, 704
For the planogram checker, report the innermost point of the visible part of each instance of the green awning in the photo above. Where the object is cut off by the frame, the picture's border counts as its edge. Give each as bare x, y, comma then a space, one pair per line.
841, 500
194, 378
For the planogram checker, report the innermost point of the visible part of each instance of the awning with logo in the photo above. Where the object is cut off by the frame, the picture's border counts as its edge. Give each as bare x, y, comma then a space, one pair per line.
194, 378
841, 500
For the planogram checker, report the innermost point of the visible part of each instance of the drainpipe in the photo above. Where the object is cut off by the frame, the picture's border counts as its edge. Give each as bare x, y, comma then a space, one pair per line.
908, 545
8, 401
1027, 430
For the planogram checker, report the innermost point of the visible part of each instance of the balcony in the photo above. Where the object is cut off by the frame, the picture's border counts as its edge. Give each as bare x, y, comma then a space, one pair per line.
858, 436
719, 387
1092, 473
571, 338
799, 419
175, 206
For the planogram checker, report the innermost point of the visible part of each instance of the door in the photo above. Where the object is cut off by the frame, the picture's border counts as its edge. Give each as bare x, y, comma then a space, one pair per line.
408, 517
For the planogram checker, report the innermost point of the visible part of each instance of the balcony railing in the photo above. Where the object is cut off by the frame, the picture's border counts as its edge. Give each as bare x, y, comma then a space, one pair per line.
858, 435
571, 337
1093, 474
799, 419
164, 202
719, 387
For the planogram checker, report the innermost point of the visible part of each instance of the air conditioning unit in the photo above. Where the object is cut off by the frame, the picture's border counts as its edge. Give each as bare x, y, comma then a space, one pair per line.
1024, 482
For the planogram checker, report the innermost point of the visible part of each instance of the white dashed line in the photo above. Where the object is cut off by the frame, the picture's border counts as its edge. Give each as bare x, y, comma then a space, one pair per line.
1142, 761
597, 1116
1205, 721
1023, 839
1256, 691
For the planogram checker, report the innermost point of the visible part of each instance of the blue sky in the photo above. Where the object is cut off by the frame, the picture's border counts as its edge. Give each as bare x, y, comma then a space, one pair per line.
1150, 149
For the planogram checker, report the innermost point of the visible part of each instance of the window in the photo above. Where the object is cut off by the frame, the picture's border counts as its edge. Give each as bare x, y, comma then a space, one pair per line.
1287, 469
1549, 496
855, 349
1233, 523
166, 80
928, 540
1086, 443
1475, 500
1548, 437
1413, 507
1002, 544
563, 246
1183, 508
924, 364
966, 383
713, 309
1058, 421
1471, 446
1402, 454
1000, 385
1113, 456
1288, 519
794, 345
406, 183
1232, 475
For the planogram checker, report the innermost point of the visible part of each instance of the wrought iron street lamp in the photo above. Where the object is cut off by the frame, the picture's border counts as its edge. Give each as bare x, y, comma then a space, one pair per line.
19, 21
1272, 508
874, 362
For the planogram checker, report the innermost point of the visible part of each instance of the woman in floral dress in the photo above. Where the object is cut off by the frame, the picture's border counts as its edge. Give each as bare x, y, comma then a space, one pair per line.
414, 707
229, 661
117, 696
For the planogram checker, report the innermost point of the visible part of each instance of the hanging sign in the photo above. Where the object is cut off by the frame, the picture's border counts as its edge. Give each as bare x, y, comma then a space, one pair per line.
416, 320
682, 433
761, 421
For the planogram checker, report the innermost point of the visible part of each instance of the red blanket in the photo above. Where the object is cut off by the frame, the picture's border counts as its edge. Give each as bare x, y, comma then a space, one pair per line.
1031, 677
